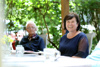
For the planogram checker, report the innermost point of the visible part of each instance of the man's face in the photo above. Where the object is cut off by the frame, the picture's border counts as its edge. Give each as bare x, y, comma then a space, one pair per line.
31, 28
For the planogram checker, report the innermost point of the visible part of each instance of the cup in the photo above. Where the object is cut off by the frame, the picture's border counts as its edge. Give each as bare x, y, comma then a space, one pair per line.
51, 54
19, 50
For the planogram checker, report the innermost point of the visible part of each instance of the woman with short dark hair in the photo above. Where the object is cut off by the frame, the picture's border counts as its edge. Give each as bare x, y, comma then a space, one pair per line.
74, 43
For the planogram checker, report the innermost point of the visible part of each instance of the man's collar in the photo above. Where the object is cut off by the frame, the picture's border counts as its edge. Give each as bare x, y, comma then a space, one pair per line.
33, 37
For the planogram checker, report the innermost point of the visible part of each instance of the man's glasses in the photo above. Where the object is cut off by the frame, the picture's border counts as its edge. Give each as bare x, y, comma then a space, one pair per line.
30, 28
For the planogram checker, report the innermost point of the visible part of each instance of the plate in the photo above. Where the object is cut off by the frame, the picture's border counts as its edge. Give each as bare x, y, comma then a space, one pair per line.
32, 52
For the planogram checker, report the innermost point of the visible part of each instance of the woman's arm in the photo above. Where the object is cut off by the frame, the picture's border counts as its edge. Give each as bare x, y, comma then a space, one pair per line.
82, 48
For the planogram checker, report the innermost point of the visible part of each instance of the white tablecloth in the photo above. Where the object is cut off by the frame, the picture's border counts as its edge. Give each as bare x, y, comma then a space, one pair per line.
31, 60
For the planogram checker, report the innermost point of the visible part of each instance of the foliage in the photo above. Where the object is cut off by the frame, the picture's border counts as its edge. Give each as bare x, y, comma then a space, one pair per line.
89, 13
46, 13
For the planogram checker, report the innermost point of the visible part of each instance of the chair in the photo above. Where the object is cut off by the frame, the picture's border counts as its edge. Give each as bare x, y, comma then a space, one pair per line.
90, 38
45, 38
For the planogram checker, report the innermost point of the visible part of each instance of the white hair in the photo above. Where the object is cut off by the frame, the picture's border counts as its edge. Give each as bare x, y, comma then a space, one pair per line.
31, 22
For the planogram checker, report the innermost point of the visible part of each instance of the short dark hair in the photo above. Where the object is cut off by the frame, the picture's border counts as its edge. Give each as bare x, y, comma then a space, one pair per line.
70, 16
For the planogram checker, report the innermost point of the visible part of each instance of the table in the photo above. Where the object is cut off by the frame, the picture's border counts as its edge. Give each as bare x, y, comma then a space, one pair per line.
31, 60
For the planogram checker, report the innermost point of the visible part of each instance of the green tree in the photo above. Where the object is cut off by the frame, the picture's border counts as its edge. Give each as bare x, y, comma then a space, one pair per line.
47, 16
46, 13
89, 13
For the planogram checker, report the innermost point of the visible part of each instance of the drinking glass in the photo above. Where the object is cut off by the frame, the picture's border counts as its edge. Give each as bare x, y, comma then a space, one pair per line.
19, 50
51, 54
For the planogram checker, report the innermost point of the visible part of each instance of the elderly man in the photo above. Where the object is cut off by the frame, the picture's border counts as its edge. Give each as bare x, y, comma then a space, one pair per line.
32, 42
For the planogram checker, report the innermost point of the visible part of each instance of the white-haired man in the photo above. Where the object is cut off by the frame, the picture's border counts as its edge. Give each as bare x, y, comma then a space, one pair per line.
32, 42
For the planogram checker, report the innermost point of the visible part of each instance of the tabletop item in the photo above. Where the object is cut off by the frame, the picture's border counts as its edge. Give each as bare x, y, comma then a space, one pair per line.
28, 60
19, 50
51, 54
32, 52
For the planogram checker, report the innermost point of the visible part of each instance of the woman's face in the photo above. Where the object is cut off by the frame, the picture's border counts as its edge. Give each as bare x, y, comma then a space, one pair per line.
31, 28
71, 24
